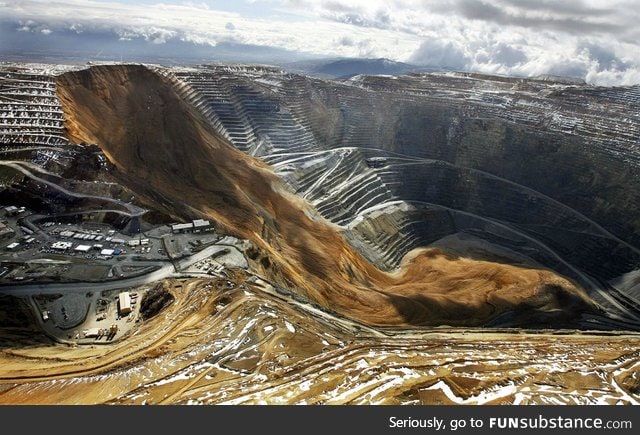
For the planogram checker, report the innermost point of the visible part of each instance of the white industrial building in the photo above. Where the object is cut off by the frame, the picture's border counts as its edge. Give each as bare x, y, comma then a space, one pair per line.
91, 333
196, 225
82, 248
138, 242
181, 228
11, 210
124, 303
201, 225
61, 246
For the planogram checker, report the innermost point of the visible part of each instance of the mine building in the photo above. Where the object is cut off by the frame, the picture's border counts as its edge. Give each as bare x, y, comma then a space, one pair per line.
201, 225
92, 333
11, 210
124, 303
181, 228
197, 225
61, 246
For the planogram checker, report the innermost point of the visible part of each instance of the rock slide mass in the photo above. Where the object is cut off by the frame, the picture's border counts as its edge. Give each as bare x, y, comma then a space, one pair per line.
410, 239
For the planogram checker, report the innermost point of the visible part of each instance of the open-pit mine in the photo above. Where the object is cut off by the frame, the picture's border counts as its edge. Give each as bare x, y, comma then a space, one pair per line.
237, 234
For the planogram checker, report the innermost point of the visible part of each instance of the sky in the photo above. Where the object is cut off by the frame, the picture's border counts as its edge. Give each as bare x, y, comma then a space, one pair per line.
598, 41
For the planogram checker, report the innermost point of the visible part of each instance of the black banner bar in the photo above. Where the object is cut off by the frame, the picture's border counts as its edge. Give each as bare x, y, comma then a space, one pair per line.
328, 420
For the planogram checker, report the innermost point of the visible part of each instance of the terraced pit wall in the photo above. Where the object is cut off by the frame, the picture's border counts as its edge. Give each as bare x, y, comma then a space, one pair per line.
546, 170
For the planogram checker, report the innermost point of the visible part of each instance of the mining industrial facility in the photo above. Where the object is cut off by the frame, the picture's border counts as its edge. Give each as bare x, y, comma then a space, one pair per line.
243, 234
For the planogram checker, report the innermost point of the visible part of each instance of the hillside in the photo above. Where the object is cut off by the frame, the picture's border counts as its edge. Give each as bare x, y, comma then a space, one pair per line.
169, 153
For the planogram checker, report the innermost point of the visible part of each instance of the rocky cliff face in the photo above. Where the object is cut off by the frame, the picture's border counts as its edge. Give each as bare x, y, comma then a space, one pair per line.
389, 166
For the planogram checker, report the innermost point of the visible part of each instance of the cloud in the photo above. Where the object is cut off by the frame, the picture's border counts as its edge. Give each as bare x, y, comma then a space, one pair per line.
440, 54
507, 55
499, 55
346, 41
569, 16
572, 8
337, 6
605, 58
193, 23
594, 40
480, 10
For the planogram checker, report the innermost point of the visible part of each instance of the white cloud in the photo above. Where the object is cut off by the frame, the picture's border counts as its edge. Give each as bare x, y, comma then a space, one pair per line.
596, 40
434, 52
193, 23
515, 37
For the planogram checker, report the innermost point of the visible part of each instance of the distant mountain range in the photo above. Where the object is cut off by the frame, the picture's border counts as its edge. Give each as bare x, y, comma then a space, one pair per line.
349, 67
